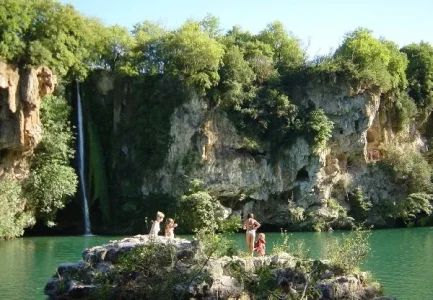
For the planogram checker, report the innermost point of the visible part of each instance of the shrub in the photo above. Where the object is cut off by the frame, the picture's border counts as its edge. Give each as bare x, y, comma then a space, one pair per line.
321, 127
409, 169
350, 251
414, 204
405, 109
199, 210
13, 217
216, 244
282, 246
150, 273
334, 205
359, 205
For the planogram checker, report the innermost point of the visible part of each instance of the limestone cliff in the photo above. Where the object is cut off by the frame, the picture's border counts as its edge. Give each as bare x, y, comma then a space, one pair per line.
297, 184
21, 92
294, 188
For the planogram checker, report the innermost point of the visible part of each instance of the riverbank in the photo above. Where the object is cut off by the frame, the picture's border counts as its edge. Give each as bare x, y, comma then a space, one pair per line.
139, 267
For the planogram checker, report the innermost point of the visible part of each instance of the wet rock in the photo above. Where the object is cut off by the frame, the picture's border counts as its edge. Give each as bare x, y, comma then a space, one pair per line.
77, 290
52, 287
71, 269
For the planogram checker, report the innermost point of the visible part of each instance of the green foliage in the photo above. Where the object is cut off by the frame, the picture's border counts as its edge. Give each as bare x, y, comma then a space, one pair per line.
211, 26
297, 249
13, 216
296, 214
149, 52
359, 205
51, 179
40, 32
405, 109
200, 211
236, 79
349, 252
287, 51
420, 76
216, 244
414, 204
409, 169
260, 58
194, 56
117, 53
282, 246
372, 61
322, 128
270, 116
151, 273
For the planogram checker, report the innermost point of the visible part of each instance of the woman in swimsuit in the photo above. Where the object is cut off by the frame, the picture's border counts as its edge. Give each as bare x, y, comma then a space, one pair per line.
251, 225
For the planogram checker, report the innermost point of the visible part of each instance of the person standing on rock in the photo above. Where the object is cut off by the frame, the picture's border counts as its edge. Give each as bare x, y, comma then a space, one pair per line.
156, 224
251, 225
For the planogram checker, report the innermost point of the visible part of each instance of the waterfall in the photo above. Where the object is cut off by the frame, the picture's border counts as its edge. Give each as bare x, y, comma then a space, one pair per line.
81, 164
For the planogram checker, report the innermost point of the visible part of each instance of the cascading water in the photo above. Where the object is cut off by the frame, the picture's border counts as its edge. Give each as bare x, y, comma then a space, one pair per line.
81, 164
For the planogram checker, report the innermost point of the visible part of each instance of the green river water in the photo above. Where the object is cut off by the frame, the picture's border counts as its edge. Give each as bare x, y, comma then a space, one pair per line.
400, 259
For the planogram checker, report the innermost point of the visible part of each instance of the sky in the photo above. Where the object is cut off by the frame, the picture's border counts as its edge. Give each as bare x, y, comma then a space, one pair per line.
320, 24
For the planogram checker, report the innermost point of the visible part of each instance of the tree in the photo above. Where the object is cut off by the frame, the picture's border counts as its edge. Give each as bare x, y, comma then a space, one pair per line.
118, 50
287, 51
420, 76
236, 78
15, 18
371, 60
43, 32
194, 56
149, 52
260, 57
51, 178
211, 25
236, 36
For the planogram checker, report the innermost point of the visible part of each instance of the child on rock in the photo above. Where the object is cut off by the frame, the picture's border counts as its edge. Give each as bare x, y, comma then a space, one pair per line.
169, 228
156, 224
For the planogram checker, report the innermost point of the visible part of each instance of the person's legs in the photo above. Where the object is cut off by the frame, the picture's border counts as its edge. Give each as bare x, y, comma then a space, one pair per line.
250, 243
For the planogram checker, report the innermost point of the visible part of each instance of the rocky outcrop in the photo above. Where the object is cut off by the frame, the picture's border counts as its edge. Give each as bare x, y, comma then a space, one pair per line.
207, 145
199, 277
21, 92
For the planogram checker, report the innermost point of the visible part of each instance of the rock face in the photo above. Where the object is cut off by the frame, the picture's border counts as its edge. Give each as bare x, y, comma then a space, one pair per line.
200, 277
20, 126
288, 190
206, 145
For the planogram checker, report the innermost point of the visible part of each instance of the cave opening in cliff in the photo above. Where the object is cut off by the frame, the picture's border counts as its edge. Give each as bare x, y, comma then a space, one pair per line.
302, 175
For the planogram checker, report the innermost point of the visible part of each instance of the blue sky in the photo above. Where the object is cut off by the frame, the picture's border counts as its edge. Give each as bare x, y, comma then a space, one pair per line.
322, 22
